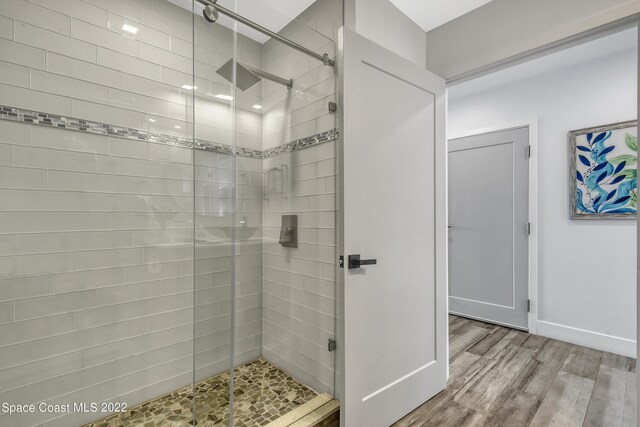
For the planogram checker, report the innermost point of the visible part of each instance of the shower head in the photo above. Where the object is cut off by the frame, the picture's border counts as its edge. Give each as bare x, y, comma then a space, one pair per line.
244, 77
210, 13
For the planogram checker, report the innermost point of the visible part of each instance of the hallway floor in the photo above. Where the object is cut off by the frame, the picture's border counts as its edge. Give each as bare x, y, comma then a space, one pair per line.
504, 377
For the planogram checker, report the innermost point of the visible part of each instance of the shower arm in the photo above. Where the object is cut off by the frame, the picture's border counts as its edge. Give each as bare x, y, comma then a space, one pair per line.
322, 58
269, 76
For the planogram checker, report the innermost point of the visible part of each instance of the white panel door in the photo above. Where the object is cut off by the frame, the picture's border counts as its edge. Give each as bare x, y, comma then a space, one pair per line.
395, 316
488, 215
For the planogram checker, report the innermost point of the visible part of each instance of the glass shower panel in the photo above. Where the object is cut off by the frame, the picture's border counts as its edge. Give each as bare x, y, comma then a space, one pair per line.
214, 122
97, 208
277, 253
299, 202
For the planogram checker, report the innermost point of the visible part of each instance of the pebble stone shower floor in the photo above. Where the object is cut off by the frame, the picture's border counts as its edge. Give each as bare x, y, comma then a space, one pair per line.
262, 394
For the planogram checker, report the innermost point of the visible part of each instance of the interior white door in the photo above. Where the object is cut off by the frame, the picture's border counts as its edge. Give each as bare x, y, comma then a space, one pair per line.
488, 215
394, 206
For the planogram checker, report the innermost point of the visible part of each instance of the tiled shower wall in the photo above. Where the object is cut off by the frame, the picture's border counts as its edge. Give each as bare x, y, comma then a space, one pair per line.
96, 232
298, 283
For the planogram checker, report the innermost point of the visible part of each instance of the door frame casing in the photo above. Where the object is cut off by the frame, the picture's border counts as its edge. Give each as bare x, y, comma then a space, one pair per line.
532, 242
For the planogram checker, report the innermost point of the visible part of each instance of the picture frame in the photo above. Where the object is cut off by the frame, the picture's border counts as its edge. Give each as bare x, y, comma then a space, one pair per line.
603, 172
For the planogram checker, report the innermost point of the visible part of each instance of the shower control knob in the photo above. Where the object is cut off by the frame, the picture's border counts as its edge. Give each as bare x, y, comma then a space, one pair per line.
356, 262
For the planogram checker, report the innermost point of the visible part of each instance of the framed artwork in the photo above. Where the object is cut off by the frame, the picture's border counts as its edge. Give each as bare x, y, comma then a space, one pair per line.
604, 176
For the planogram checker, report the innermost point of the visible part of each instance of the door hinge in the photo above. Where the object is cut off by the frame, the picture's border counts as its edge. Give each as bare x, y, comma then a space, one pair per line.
341, 261
528, 229
528, 151
528, 306
333, 107
332, 345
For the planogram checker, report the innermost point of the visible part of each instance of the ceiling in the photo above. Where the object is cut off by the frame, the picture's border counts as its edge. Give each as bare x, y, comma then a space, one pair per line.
429, 14
626, 40
272, 14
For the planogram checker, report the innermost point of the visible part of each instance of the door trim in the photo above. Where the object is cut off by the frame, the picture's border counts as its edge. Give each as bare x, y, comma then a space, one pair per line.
532, 125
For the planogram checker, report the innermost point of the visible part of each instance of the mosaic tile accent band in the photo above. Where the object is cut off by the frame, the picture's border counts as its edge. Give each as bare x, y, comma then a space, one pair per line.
80, 125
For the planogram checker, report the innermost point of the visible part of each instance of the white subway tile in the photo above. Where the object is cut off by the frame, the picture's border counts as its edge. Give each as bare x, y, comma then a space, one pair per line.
106, 315
78, 181
139, 221
53, 304
162, 237
53, 159
13, 74
115, 350
68, 140
24, 287
97, 374
77, 9
119, 386
5, 154
54, 42
162, 355
21, 178
22, 54
170, 18
28, 222
107, 258
128, 64
127, 147
143, 168
145, 34
170, 153
86, 240
141, 103
34, 100
69, 87
104, 38
36, 15
140, 185
32, 393
133, 10
140, 326
6, 27
14, 244
85, 280
167, 59
164, 270
67, 343
20, 200
82, 70
105, 114
154, 89
17, 332
115, 202
28, 373
167, 303
181, 47
6, 312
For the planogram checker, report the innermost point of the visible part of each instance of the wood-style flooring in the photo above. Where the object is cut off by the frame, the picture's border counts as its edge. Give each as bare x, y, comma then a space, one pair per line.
503, 377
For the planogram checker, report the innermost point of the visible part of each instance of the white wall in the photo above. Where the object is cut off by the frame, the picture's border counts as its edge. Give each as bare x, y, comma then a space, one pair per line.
383, 23
587, 269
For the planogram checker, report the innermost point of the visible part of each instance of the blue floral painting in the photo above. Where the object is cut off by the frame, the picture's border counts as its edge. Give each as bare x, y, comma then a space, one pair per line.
605, 175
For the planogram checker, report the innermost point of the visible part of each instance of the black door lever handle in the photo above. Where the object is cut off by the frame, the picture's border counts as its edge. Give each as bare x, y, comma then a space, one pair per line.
356, 262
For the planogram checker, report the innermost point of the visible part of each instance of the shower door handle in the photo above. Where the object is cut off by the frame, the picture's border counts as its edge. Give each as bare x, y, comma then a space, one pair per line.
356, 262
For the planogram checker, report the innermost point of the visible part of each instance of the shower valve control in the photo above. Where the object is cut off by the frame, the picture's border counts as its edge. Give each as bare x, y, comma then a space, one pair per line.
356, 262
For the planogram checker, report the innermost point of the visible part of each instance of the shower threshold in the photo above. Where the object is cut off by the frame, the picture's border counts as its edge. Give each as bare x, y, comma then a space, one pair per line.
262, 394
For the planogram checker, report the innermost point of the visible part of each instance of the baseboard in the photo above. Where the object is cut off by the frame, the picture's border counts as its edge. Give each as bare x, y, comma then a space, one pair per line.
617, 345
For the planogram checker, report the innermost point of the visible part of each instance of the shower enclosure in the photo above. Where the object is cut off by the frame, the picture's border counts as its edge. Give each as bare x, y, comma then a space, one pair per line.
168, 205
